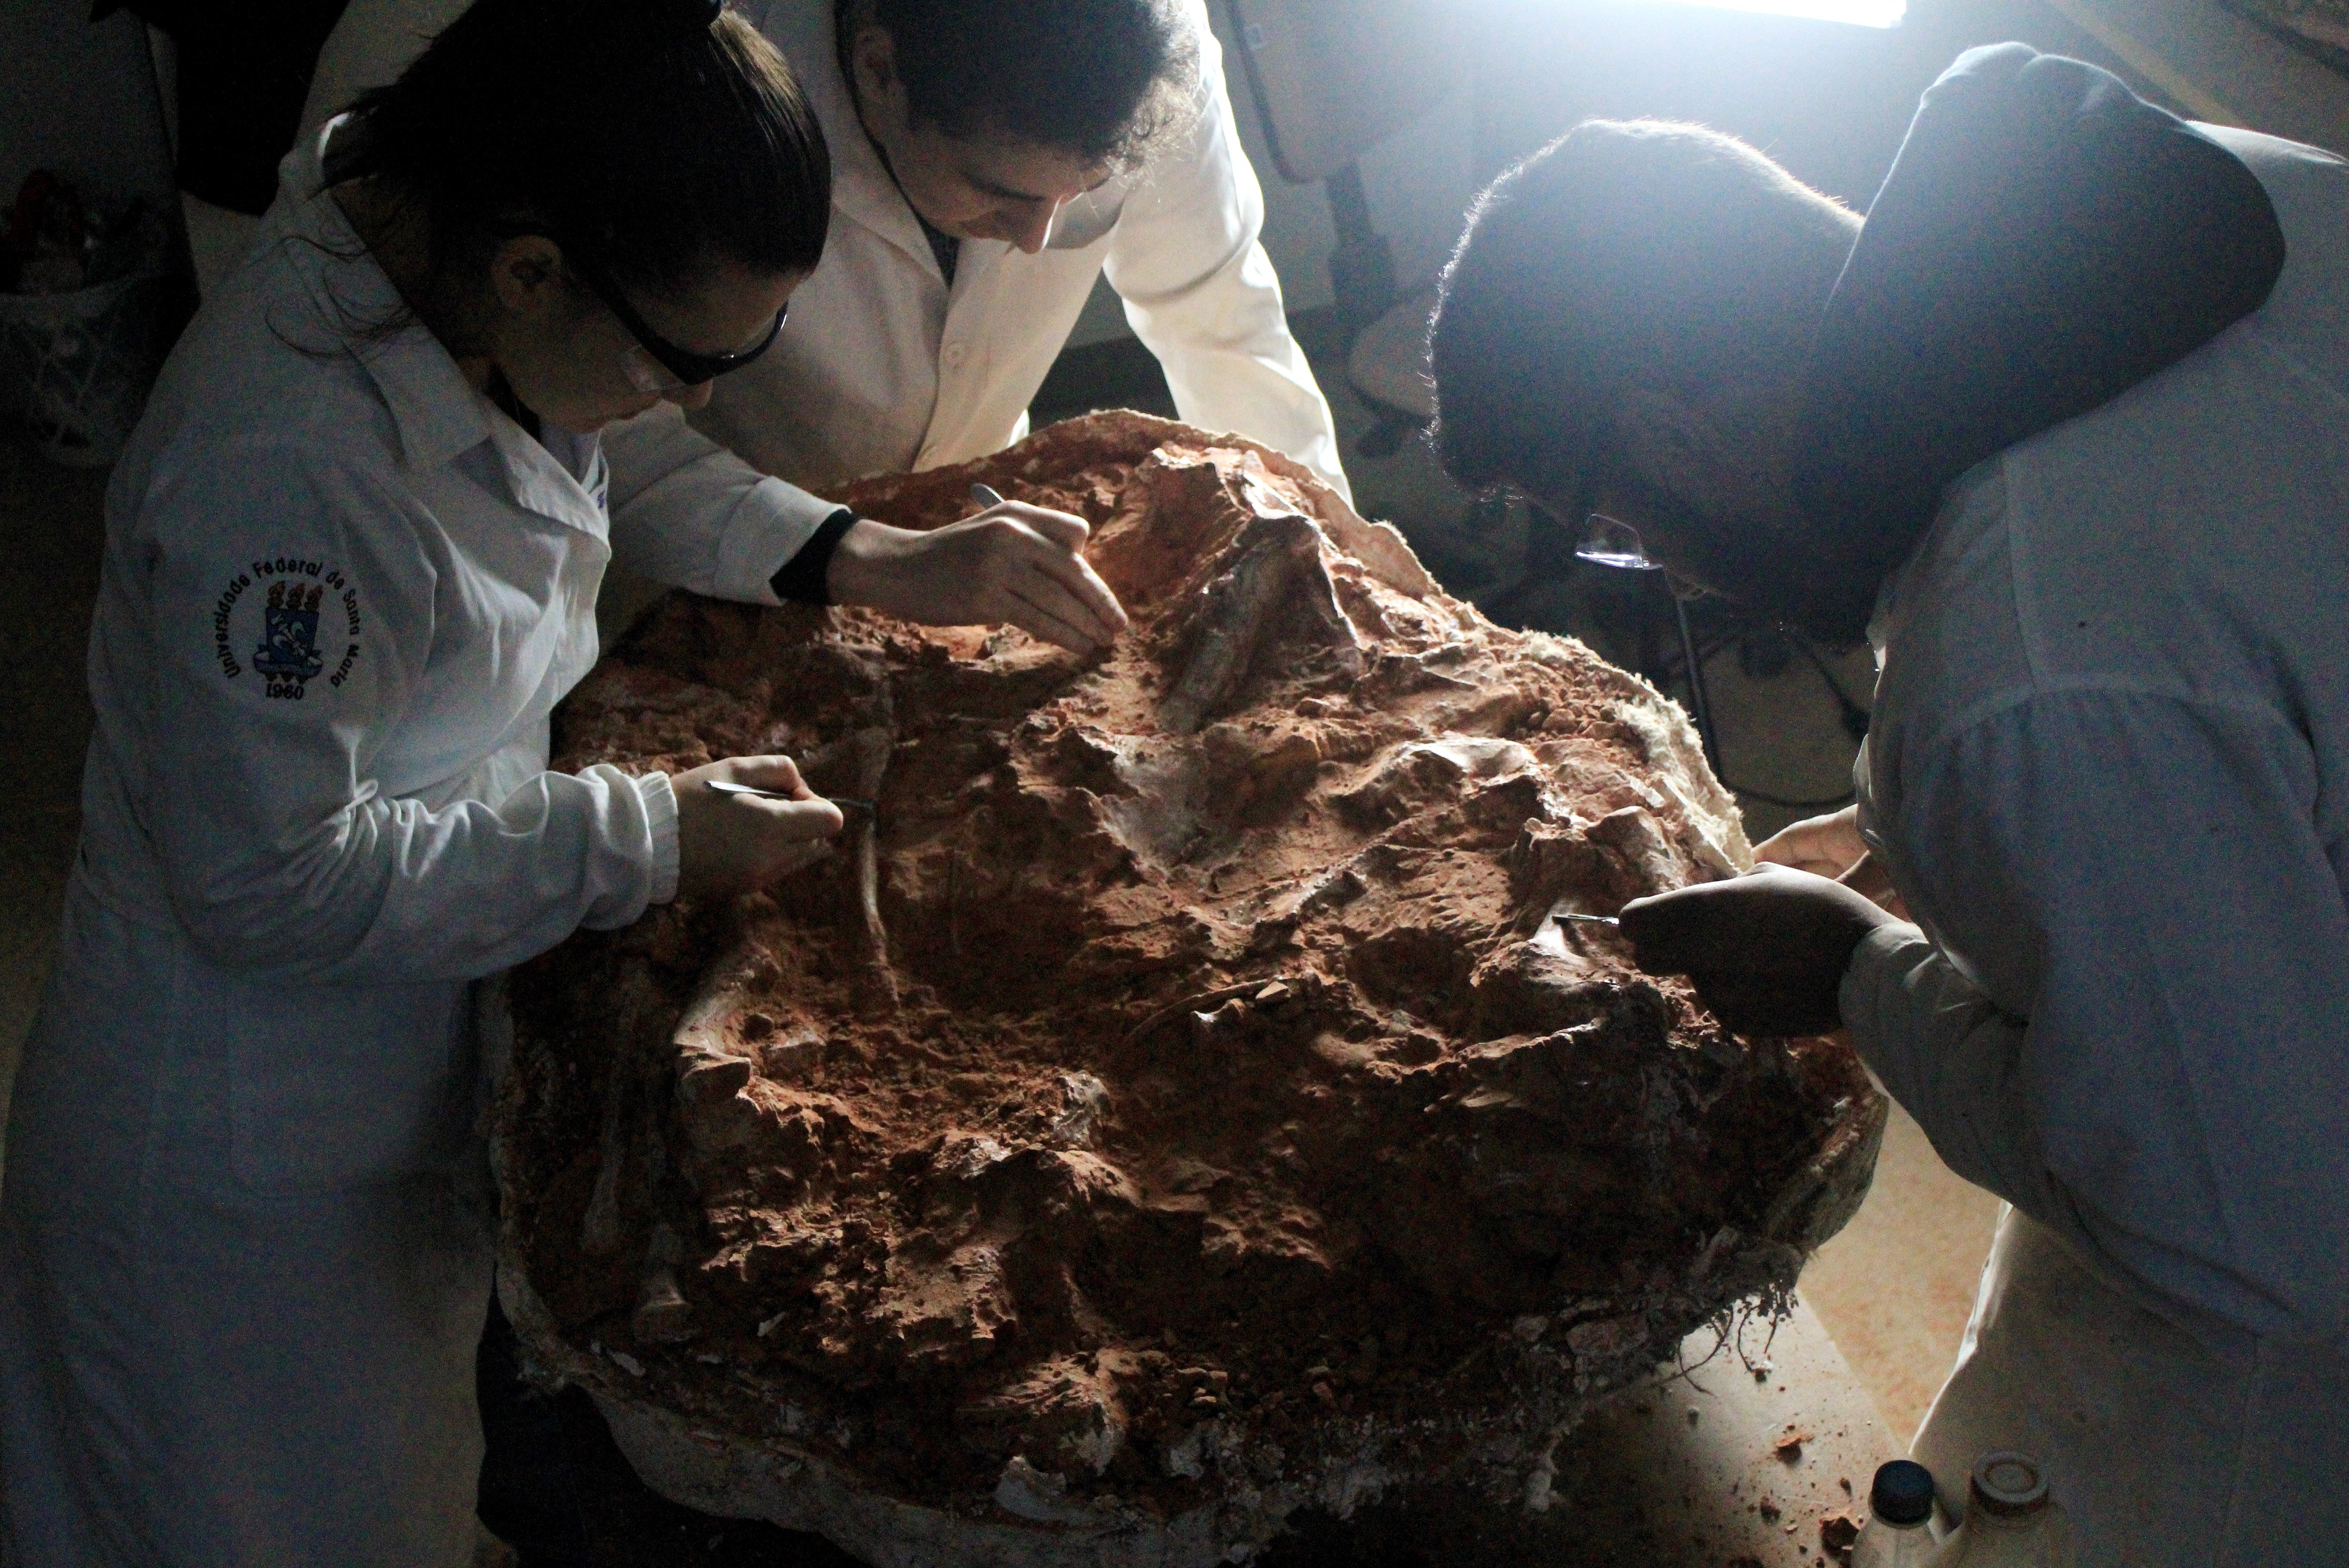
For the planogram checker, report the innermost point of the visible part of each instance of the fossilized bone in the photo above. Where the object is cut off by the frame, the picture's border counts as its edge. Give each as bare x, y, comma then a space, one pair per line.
599, 1229
1276, 555
869, 751
662, 1315
1321, 590
863, 757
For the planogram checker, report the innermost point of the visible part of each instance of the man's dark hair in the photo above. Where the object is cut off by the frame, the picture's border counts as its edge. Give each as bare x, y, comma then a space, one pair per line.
649, 138
1104, 79
1625, 252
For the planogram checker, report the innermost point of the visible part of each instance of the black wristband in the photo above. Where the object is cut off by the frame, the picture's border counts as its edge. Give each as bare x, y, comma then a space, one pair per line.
801, 578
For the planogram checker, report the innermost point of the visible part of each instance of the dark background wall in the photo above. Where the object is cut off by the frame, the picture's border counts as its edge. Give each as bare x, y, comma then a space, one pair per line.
80, 98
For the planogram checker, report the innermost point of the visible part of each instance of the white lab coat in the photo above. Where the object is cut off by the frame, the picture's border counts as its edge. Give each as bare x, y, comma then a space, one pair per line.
883, 367
2109, 769
244, 1249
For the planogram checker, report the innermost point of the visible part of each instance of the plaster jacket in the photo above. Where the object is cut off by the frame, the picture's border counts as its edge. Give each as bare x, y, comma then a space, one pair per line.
883, 367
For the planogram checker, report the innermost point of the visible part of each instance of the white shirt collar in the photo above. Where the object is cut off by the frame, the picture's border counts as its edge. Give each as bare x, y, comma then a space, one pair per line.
436, 411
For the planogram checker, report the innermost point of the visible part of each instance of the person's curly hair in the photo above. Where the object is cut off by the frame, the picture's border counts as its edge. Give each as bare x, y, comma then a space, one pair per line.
1108, 80
1625, 252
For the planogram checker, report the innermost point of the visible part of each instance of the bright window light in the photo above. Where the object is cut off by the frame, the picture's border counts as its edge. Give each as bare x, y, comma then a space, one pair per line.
1862, 12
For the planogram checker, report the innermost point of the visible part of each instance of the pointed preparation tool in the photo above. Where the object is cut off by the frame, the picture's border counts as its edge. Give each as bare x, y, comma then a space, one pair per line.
845, 802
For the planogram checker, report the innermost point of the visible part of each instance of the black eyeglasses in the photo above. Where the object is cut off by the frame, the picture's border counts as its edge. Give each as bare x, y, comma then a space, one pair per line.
654, 363
689, 368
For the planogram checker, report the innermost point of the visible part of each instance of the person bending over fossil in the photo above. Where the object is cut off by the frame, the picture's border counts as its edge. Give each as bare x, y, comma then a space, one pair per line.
2060, 429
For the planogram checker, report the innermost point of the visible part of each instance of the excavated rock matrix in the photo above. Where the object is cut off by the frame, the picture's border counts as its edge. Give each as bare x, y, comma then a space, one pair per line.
1178, 1089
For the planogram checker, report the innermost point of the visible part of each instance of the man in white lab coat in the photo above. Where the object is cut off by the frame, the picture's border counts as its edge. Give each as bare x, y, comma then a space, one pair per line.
2060, 430
967, 230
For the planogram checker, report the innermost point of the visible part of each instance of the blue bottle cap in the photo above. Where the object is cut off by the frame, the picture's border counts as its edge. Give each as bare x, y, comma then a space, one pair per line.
1902, 1495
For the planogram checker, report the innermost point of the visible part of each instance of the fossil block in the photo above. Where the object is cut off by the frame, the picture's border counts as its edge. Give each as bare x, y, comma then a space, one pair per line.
1181, 1108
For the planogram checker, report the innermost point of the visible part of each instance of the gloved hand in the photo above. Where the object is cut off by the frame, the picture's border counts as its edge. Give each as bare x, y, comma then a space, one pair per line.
1768, 950
737, 844
1013, 562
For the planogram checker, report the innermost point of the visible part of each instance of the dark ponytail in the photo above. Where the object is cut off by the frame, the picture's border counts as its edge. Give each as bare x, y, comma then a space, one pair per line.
650, 138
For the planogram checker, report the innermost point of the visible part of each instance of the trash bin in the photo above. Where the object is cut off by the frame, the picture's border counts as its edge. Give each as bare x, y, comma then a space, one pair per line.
84, 289
76, 365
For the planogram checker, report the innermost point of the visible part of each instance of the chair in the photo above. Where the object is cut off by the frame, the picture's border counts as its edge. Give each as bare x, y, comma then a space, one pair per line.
1331, 79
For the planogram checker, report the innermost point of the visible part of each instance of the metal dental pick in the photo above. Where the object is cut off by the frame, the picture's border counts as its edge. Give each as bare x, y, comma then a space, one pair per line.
845, 802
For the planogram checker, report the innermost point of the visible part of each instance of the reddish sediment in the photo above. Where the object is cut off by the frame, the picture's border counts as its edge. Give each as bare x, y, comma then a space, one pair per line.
1179, 1084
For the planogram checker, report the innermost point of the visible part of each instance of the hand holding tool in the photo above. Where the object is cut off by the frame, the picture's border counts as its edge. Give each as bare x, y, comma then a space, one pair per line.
1864, 876
846, 803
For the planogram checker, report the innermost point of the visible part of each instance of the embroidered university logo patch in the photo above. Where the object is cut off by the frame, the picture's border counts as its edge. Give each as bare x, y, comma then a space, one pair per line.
307, 601
289, 634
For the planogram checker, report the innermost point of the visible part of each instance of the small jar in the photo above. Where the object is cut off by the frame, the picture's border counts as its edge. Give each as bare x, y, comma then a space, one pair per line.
2011, 1522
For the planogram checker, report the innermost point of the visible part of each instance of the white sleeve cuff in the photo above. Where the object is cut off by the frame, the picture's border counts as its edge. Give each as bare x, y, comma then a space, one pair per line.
660, 816
769, 526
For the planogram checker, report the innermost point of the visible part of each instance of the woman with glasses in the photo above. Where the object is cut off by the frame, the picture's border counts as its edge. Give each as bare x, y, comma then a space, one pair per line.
352, 559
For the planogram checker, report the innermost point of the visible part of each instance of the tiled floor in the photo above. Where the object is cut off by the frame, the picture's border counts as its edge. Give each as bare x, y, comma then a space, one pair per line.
1895, 1288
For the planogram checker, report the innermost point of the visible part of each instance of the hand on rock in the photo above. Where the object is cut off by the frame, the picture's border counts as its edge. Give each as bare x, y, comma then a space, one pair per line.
1830, 846
1768, 950
1824, 846
1013, 562
738, 843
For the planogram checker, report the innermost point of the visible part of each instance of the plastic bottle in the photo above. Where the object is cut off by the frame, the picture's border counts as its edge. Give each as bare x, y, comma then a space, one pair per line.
1898, 1532
2011, 1522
